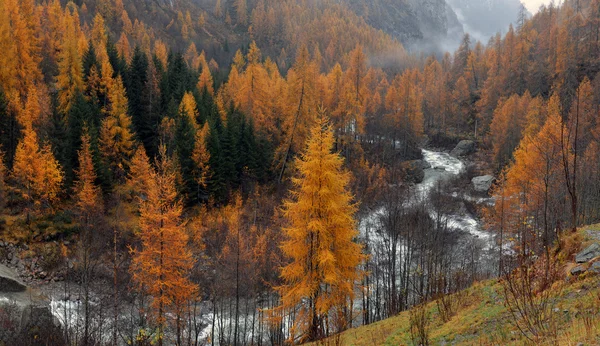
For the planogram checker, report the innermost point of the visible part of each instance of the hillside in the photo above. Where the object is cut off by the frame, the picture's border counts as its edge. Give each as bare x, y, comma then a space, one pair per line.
479, 315
242, 172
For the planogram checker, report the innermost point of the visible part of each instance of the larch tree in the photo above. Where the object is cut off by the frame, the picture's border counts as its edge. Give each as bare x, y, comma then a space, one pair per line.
89, 204
201, 158
37, 174
321, 232
116, 138
70, 76
189, 108
162, 265
87, 193
241, 10
300, 106
24, 29
205, 81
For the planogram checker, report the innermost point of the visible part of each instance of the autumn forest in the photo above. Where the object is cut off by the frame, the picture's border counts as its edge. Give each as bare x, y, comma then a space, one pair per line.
267, 172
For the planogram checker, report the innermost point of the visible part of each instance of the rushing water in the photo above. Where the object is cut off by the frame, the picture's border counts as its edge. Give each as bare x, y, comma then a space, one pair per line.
444, 167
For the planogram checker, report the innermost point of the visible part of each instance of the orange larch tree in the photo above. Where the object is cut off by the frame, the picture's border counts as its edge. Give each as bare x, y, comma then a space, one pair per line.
116, 138
321, 233
162, 265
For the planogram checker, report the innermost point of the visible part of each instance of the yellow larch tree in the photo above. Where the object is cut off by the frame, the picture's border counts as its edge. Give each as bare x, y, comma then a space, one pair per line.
87, 193
139, 172
116, 138
20, 45
160, 50
404, 101
300, 104
201, 157
241, 10
70, 69
206, 79
320, 244
124, 47
162, 265
189, 108
37, 174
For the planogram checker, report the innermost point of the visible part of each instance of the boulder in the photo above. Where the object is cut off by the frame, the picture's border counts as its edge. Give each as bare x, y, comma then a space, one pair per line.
589, 253
463, 148
26, 314
483, 183
414, 171
595, 268
577, 270
9, 283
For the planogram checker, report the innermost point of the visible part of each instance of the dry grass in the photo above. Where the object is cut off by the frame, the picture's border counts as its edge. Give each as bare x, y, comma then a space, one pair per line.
480, 317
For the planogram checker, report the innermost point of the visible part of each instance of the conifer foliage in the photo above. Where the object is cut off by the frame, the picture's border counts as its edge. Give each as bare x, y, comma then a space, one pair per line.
320, 238
162, 265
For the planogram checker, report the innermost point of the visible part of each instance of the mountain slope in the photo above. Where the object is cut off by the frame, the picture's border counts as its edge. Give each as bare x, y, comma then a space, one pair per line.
480, 316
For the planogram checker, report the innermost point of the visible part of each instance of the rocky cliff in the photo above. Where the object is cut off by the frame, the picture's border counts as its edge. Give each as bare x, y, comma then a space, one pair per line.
429, 25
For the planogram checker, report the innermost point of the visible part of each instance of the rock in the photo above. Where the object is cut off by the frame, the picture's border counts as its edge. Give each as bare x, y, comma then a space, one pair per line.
483, 183
463, 148
595, 268
589, 253
577, 270
413, 171
9, 282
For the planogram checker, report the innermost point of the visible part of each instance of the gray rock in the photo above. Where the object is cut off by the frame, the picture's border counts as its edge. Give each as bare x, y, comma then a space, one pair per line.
595, 267
463, 148
577, 270
483, 183
589, 253
9, 282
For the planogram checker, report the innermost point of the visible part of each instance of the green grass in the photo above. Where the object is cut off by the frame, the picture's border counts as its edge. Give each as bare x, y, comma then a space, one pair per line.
481, 317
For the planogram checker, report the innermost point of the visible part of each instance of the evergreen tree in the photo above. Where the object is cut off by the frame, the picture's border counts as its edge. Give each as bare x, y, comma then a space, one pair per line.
185, 136
9, 131
140, 101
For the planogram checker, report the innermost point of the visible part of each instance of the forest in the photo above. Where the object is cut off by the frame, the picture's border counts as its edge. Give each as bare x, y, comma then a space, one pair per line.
247, 172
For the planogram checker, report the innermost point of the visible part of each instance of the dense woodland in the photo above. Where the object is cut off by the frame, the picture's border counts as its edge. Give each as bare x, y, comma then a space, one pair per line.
172, 181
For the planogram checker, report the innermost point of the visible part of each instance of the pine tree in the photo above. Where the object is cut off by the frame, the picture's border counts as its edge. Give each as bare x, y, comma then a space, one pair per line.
320, 238
161, 266
9, 130
140, 94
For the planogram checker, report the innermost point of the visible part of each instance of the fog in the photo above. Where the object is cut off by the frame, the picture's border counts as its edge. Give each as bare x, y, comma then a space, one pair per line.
484, 18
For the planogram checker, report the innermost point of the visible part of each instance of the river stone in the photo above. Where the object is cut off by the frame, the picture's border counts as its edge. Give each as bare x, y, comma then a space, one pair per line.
590, 252
9, 282
463, 148
483, 183
577, 270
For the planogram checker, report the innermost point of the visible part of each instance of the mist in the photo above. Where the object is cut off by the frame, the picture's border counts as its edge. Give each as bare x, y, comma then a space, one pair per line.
482, 19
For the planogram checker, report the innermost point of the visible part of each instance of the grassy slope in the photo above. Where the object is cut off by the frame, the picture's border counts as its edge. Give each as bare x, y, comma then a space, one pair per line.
482, 318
